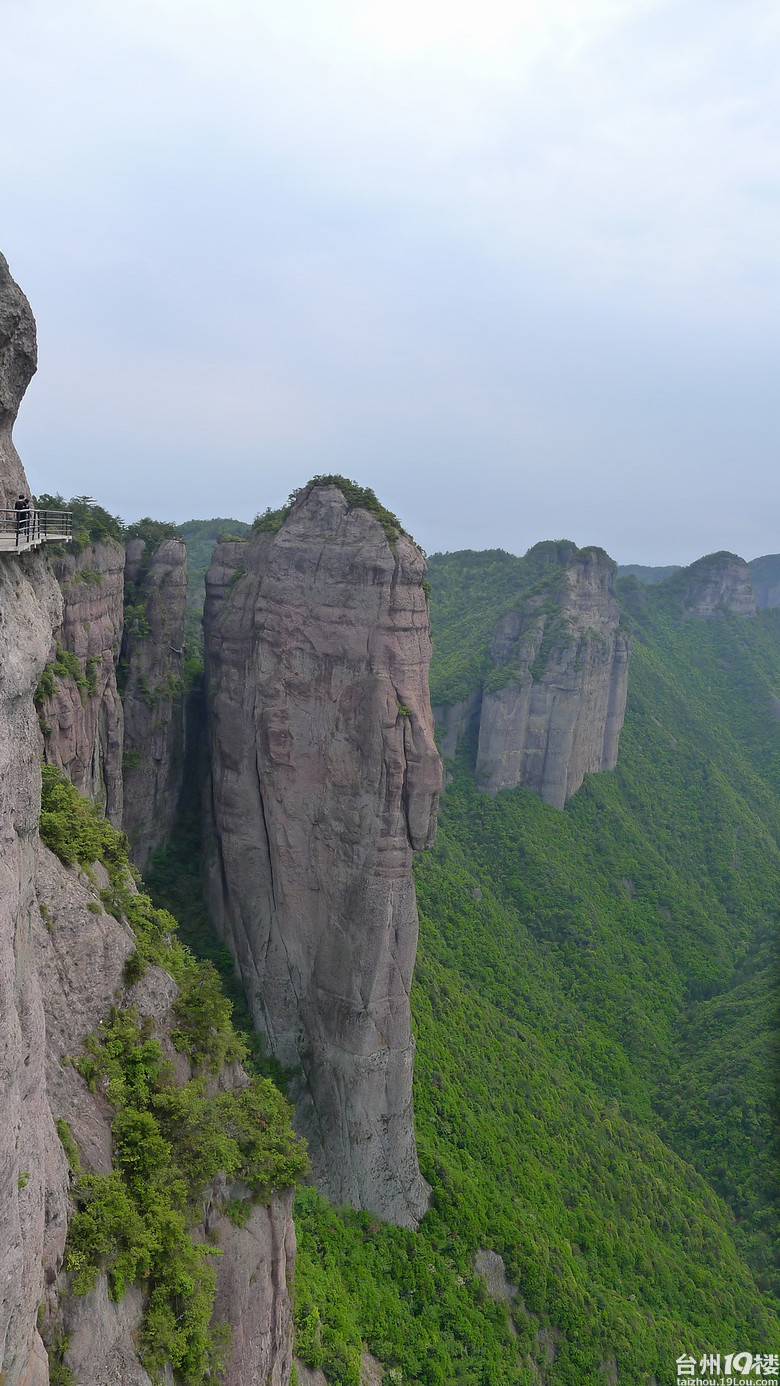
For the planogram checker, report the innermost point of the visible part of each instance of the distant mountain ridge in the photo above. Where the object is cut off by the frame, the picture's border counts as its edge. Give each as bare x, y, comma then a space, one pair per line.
765, 572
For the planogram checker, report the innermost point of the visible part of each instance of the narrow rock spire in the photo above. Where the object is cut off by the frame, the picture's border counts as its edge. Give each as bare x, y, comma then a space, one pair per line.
325, 778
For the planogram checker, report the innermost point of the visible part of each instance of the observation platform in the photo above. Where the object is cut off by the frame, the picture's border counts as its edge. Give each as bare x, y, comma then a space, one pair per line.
22, 530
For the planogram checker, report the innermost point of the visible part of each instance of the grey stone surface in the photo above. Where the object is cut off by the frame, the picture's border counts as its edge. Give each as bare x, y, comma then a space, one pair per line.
309, 1376
84, 735
372, 1373
101, 1351
152, 697
254, 1278
18, 362
324, 779
33, 1175
716, 582
548, 729
491, 1267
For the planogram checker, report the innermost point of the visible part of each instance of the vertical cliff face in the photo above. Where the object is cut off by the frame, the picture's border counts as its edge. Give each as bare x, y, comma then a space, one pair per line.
553, 707
81, 711
152, 668
32, 1167
254, 1282
324, 780
18, 361
717, 582
80, 956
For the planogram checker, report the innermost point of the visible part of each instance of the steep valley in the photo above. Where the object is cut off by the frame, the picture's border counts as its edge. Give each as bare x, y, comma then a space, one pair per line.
541, 1137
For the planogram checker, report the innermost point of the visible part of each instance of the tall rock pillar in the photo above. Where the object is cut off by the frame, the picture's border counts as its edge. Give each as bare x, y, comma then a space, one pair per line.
324, 779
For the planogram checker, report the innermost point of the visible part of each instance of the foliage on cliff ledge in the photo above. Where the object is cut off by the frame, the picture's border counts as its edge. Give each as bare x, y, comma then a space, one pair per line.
91, 523
357, 497
172, 1143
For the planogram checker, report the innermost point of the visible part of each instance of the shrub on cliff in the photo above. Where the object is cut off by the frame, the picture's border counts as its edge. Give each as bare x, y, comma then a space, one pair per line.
171, 1141
91, 523
357, 497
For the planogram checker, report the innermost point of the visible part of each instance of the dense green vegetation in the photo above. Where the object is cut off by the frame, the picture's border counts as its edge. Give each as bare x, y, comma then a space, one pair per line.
170, 1140
200, 536
597, 1026
596, 1020
360, 497
91, 523
644, 574
151, 531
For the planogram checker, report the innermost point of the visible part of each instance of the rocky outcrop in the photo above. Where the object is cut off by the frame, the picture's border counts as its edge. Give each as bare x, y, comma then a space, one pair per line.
254, 1278
718, 582
81, 711
18, 361
80, 954
552, 710
32, 1169
324, 779
152, 677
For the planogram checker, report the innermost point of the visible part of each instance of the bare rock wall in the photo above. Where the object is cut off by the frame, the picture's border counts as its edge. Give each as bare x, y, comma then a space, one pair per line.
152, 666
83, 719
562, 676
324, 779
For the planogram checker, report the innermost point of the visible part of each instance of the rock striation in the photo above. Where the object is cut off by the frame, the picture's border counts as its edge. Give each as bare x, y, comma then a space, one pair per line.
152, 667
324, 780
33, 1174
80, 706
552, 709
32, 1167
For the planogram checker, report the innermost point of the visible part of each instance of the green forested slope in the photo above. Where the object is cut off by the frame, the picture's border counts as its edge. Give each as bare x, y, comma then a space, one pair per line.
596, 1023
200, 536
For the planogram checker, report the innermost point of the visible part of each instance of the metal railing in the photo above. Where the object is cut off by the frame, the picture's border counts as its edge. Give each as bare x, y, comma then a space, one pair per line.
25, 529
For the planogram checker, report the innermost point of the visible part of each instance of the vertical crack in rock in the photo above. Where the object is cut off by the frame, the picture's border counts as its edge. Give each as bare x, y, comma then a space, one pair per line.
324, 779
152, 665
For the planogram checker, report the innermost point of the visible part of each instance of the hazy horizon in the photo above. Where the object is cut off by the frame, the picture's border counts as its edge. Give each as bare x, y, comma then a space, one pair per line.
514, 266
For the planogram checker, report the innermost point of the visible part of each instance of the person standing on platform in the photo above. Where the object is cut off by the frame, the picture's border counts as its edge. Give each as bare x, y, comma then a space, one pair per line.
22, 508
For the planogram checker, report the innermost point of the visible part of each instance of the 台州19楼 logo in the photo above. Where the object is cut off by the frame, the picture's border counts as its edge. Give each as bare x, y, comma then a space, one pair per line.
722, 1368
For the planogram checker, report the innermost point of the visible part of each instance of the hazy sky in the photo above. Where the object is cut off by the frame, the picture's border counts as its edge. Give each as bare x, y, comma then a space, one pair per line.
514, 265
